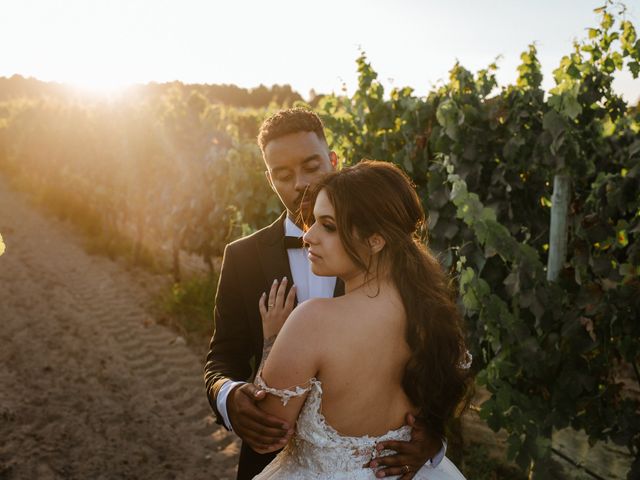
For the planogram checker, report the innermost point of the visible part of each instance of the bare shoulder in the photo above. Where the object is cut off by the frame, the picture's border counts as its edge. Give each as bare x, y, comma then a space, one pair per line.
312, 316
301, 335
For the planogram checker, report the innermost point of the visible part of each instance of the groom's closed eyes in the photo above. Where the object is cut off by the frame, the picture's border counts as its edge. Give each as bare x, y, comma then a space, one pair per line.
310, 164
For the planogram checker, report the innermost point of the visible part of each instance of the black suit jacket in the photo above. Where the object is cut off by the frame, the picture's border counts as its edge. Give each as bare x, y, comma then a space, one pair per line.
249, 267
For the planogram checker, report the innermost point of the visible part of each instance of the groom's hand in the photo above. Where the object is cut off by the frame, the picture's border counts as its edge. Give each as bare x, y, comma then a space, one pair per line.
410, 456
263, 432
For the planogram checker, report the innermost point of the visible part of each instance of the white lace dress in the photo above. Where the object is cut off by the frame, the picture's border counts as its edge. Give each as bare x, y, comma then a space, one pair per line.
318, 451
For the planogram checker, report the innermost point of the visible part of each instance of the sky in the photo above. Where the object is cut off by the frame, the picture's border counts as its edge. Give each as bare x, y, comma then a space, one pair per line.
103, 44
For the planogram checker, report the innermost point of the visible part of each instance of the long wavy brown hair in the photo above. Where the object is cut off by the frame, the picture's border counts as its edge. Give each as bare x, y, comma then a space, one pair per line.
377, 197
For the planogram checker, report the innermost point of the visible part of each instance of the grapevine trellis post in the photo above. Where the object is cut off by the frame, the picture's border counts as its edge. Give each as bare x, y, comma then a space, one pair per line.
558, 228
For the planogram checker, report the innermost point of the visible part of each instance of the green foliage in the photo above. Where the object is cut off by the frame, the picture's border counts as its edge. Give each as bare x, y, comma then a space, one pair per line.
191, 306
478, 464
483, 162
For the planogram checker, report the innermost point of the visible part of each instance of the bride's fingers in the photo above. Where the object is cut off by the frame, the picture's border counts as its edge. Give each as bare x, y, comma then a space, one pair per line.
262, 306
280, 292
272, 294
291, 298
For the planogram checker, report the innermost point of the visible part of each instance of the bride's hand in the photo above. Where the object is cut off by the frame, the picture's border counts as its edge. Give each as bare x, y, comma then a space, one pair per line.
277, 309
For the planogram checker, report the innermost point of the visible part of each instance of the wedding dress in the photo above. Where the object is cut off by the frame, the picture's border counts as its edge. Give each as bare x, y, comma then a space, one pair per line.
317, 451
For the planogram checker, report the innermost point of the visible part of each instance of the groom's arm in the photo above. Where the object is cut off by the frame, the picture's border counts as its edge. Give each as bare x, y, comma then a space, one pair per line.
230, 349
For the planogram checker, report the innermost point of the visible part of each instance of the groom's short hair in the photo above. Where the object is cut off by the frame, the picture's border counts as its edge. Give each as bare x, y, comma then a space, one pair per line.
288, 121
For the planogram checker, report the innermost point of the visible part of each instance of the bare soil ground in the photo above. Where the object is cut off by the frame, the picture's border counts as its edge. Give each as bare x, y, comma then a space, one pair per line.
91, 387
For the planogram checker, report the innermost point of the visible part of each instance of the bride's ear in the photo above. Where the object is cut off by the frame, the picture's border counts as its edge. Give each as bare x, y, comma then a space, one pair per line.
376, 243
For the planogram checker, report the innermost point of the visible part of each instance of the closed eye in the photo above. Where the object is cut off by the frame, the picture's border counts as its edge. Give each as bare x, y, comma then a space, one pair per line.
284, 177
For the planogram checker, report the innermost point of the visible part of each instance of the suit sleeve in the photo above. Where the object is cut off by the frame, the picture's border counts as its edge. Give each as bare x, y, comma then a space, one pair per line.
230, 349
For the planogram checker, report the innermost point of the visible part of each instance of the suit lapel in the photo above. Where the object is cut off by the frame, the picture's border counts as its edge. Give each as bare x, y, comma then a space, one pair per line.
273, 256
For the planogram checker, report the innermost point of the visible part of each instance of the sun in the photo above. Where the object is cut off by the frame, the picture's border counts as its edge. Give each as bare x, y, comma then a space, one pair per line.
100, 85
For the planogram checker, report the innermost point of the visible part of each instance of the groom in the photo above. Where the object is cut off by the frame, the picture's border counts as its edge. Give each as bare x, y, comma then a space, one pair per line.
296, 155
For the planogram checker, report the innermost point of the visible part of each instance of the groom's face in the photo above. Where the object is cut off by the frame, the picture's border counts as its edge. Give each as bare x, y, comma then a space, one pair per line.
294, 162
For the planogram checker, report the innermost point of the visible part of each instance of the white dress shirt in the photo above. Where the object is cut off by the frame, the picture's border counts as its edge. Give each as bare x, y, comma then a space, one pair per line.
308, 284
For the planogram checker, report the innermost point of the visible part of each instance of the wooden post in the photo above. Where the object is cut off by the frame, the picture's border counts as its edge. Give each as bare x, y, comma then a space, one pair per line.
558, 229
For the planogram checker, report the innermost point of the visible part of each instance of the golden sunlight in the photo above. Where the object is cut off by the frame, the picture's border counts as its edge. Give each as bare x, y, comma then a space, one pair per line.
99, 85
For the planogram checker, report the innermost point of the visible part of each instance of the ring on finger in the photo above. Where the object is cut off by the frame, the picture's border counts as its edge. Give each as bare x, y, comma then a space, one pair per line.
406, 469
271, 305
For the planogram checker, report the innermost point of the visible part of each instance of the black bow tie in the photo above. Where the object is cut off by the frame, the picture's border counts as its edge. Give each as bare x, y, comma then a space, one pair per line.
293, 242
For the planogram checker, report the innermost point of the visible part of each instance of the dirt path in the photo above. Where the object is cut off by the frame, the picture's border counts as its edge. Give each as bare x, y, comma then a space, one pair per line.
90, 386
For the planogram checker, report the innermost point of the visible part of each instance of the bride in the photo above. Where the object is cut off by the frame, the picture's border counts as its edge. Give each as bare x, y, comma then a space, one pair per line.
348, 369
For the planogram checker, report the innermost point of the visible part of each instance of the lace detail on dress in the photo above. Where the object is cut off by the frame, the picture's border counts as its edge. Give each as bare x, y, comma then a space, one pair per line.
318, 452
317, 448
284, 394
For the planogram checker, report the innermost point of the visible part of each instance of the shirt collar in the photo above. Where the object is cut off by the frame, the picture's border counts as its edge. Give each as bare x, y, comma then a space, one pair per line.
291, 229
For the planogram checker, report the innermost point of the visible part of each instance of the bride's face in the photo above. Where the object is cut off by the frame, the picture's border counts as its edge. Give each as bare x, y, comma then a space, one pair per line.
326, 252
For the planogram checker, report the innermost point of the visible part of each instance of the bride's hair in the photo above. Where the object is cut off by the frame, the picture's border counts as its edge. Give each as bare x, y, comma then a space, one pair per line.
377, 197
